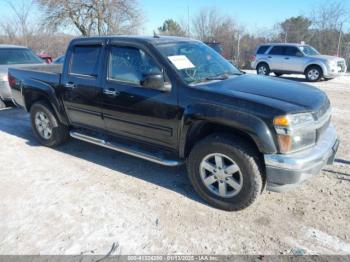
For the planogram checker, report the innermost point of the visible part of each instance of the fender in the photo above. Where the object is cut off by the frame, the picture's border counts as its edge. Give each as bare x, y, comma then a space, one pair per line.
33, 86
318, 63
244, 122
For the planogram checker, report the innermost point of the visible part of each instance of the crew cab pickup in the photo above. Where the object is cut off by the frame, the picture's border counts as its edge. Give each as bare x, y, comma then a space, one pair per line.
174, 100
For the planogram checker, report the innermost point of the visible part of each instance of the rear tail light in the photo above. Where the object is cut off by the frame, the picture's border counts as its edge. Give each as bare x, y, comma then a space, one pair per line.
12, 80
252, 58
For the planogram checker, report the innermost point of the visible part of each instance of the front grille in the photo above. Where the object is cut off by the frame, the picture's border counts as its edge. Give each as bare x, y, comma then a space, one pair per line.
341, 64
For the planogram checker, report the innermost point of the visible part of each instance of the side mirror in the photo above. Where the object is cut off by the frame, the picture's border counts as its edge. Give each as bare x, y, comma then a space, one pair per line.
155, 81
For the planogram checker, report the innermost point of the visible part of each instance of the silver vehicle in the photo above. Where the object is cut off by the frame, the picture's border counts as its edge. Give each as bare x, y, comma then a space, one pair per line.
297, 59
13, 56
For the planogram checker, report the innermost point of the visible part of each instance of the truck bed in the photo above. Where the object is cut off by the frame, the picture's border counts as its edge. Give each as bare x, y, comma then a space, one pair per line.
41, 74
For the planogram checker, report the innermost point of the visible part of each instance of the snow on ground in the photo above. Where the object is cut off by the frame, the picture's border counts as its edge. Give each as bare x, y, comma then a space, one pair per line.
80, 198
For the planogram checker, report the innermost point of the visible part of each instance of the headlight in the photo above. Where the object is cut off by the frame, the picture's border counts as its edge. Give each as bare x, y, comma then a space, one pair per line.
295, 132
332, 63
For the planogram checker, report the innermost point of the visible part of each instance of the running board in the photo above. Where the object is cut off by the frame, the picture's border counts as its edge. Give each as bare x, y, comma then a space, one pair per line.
126, 149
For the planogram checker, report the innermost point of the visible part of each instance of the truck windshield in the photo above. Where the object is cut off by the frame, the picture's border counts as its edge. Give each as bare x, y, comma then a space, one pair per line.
196, 62
11, 56
308, 50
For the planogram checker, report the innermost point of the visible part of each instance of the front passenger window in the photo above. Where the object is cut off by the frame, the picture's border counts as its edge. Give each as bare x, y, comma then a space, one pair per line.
130, 65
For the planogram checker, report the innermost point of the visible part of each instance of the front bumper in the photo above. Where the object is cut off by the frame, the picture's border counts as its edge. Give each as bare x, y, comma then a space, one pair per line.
335, 71
284, 172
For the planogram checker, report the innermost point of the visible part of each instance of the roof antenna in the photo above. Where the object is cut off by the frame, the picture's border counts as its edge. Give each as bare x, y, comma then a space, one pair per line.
155, 34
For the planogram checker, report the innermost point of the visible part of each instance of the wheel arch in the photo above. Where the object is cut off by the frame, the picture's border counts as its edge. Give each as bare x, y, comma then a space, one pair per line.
239, 124
319, 65
34, 91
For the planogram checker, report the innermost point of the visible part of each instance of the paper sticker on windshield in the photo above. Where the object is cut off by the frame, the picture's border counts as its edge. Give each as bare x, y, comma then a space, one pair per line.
181, 62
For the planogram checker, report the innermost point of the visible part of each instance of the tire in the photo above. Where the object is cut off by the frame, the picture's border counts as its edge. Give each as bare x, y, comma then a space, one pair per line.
42, 115
278, 74
9, 103
313, 74
249, 176
263, 69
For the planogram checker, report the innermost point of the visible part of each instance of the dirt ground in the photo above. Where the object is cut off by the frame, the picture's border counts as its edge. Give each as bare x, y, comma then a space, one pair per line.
82, 199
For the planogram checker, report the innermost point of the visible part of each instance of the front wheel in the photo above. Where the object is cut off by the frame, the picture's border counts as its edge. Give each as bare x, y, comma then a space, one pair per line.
46, 127
225, 172
313, 74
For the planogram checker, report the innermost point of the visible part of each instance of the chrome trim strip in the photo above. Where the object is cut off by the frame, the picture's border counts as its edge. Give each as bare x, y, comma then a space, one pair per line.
308, 157
124, 149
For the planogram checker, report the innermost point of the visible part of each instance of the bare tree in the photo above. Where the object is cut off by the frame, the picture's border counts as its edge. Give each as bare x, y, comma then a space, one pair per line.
328, 22
18, 27
89, 17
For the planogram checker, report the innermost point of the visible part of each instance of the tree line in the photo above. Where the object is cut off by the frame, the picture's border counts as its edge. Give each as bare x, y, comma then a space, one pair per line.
326, 27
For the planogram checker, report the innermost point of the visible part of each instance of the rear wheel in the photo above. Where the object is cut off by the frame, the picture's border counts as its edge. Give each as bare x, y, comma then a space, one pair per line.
313, 74
263, 69
225, 172
46, 127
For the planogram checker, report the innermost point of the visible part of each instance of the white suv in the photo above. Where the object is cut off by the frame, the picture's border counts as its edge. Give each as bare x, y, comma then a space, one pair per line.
297, 59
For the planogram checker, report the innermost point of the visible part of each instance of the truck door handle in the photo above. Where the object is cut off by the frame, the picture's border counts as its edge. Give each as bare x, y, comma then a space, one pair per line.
287, 58
269, 57
70, 85
110, 92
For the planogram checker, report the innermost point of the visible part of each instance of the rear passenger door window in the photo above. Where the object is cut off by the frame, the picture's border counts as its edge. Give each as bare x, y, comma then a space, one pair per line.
85, 60
277, 50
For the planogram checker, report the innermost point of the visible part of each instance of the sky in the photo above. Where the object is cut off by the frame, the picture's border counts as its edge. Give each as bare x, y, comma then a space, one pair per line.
251, 14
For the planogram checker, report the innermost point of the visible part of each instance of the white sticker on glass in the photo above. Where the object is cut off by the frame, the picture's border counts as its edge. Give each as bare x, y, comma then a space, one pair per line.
181, 62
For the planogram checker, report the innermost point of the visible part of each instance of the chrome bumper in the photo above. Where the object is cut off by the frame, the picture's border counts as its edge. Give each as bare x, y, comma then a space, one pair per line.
287, 171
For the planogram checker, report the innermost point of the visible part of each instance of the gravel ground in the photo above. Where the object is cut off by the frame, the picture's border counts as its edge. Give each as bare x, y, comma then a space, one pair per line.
82, 199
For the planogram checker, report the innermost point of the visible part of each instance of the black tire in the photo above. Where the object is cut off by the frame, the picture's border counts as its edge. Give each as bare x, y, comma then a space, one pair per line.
263, 69
313, 77
9, 103
59, 132
278, 74
245, 156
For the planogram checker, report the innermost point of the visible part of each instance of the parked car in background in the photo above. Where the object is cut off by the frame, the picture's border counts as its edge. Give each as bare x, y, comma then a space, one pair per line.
216, 46
46, 58
297, 59
12, 56
59, 60
174, 100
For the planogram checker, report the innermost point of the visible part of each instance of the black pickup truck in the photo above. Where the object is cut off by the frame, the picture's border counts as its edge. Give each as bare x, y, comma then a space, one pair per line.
174, 100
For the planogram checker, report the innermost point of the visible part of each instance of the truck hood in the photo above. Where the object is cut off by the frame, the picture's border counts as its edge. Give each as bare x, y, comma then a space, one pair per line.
283, 95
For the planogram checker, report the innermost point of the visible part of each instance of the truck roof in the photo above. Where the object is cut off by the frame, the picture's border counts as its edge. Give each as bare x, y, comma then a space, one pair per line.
137, 38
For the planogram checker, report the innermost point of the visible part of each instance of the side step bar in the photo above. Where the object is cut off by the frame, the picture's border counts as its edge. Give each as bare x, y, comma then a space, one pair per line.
126, 150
